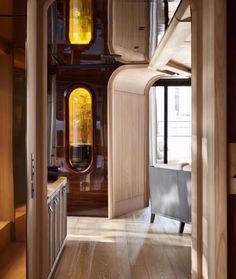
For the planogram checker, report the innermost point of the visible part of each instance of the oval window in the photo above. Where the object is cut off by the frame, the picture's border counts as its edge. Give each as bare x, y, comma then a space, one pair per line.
80, 22
80, 129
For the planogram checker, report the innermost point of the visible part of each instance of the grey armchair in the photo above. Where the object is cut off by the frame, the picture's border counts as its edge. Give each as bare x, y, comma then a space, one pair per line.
170, 192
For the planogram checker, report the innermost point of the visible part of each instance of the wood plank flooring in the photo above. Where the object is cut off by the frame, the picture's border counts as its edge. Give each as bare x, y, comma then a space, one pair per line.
13, 261
128, 247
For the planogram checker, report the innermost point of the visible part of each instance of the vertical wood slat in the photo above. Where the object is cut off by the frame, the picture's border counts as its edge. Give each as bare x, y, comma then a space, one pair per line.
231, 87
37, 222
31, 135
196, 142
6, 103
128, 30
6, 149
209, 139
128, 98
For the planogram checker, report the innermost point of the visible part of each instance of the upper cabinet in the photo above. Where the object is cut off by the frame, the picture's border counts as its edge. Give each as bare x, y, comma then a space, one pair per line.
173, 54
137, 27
128, 31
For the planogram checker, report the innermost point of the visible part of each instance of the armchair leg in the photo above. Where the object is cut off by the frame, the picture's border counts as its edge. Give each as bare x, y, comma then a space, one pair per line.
152, 218
181, 227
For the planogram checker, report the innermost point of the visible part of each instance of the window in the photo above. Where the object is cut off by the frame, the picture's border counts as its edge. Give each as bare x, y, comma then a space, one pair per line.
80, 129
80, 21
179, 123
170, 124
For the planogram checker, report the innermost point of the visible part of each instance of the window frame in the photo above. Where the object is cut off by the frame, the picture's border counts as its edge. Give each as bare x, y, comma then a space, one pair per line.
168, 83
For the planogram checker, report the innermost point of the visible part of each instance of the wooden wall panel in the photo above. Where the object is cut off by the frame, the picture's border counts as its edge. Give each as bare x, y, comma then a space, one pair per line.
209, 95
37, 219
129, 156
128, 31
31, 137
231, 89
196, 141
128, 150
6, 169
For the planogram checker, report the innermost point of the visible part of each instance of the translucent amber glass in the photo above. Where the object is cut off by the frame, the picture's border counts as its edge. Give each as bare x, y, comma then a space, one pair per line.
80, 22
80, 128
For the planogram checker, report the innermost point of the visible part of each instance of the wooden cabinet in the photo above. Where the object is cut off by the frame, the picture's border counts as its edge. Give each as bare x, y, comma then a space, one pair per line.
57, 217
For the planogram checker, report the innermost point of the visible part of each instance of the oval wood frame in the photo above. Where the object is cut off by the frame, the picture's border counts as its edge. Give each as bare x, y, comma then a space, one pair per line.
66, 137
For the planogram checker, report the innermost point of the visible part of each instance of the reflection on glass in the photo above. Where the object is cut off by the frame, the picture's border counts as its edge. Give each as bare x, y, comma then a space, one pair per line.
80, 128
80, 22
172, 7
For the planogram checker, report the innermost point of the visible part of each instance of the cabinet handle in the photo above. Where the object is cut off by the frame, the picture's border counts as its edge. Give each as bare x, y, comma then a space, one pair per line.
50, 208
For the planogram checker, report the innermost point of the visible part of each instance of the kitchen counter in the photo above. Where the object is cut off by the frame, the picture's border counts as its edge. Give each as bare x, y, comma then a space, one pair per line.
54, 186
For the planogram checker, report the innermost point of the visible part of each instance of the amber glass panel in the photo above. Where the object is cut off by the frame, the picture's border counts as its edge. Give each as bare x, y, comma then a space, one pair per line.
80, 22
80, 129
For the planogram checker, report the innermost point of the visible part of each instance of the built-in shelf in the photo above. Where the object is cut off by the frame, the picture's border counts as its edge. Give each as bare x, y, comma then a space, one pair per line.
5, 234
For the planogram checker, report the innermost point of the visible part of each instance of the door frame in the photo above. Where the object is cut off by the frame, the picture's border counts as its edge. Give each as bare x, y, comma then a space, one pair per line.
209, 203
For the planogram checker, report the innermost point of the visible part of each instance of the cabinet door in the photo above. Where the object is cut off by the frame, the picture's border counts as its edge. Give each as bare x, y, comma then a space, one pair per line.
64, 213
61, 219
57, 224
51, 233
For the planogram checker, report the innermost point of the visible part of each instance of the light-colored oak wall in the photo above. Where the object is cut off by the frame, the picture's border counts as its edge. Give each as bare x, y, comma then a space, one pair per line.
128, 30
209, 215
196, 141
209, 139
128, 138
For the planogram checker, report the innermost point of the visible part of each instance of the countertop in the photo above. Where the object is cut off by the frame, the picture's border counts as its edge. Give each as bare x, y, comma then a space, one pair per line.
55, 185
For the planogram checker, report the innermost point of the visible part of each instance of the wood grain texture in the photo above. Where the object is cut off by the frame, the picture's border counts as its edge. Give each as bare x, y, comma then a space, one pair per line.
31, 141
128, 138
214, 84
128, 30
36, 55
5, 234
176, 44
127, 247
6, 170
231, 114
54, 186
20, 226
196, 141
13, 261
209, 139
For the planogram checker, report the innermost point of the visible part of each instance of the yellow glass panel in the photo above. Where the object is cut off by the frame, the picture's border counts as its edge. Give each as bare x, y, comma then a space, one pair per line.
80, 128
80, 22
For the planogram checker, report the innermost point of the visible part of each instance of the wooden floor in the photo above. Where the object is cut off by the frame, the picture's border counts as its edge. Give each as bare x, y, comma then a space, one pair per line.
129, 247
13, 261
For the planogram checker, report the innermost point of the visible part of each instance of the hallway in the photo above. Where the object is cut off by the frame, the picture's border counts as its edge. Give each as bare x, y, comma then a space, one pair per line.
128, 247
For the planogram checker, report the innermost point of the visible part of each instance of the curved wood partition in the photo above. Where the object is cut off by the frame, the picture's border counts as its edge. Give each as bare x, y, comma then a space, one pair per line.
128, 109
128, 31
128, 138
